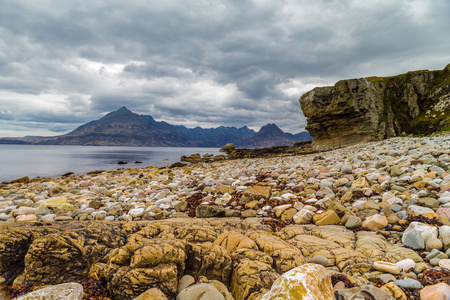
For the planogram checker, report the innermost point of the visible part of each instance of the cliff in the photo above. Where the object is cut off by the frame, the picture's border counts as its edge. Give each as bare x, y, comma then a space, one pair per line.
374, 108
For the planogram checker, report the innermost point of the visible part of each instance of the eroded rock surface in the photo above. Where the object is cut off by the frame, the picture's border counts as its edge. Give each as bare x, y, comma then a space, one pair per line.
135, 256
373, 108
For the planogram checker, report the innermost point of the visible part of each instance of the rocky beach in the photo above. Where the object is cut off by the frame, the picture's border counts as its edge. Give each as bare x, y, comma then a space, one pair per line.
369, 220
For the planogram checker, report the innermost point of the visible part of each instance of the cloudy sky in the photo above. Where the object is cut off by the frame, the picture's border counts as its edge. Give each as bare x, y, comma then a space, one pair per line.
204, 62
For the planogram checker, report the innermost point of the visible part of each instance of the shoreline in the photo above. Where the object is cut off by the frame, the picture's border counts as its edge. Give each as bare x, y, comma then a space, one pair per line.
384, 187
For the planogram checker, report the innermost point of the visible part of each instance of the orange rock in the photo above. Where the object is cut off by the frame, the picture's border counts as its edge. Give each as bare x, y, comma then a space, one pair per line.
439, 291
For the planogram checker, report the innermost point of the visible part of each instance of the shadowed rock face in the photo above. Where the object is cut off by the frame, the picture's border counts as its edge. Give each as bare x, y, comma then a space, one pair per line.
374, 108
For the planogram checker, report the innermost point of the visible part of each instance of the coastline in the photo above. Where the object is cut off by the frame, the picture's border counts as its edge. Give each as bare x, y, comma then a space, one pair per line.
313, 205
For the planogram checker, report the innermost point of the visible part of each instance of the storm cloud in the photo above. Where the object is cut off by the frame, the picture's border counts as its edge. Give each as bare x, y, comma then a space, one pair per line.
201, 63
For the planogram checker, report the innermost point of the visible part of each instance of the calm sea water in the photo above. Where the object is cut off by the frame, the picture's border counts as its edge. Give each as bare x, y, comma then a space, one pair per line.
44, 161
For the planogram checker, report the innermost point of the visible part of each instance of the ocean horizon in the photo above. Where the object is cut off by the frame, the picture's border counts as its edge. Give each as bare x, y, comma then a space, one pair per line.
35, 161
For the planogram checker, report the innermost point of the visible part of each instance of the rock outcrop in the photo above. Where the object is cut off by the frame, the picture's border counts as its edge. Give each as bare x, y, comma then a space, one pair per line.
375, 108
132, 257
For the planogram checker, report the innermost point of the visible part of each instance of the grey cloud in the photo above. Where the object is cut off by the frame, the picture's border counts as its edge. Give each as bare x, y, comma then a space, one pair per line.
151, 55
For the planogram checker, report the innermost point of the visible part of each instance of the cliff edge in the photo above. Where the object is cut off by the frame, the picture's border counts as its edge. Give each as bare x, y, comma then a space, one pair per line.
374, 108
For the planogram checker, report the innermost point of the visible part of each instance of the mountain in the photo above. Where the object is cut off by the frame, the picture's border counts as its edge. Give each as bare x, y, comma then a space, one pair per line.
122, 127
125, 128
271, 135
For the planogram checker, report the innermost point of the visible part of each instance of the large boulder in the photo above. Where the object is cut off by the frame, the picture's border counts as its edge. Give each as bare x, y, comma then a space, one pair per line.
373, 108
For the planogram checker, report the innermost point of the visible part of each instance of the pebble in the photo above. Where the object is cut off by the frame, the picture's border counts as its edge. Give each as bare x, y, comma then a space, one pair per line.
319, 259
386, 267
406, 264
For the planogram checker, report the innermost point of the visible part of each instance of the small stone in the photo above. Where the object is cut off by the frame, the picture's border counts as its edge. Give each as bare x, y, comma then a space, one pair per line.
406, 264
327, 218
249, 213
136, 212
375, 222
208, 211
396, 171
420, 267
347, 169
288, 214
435, 261
186, 281
319, 259
153, 294
304, 216
408, 283
385, 278
27, 218
49, 218
433, 243
386, 267
201, 291
445, 264
353, 222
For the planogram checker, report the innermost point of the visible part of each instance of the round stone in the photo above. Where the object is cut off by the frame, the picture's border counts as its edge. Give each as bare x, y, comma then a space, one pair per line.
414, 239
433, 243
408, 283
319, 259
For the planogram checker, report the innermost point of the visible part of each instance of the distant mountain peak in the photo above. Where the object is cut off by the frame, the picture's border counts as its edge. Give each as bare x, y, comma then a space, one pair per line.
271, 128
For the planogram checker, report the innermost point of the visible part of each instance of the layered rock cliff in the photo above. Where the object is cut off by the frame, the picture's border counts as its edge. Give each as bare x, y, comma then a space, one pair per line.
375, 108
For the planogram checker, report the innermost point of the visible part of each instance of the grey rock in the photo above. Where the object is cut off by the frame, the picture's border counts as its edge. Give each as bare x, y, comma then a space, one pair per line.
409, 283
353, 222
414, 239
42, 211
396, 208
433, 254
437, 169
435, 261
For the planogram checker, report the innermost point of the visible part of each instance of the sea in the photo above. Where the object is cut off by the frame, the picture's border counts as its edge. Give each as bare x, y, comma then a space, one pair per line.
38, 161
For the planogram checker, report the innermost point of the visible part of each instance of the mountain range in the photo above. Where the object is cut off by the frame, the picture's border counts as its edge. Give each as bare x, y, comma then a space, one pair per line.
125, 128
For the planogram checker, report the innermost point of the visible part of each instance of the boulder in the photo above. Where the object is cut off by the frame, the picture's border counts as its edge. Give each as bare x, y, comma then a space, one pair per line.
64, 291
310, 281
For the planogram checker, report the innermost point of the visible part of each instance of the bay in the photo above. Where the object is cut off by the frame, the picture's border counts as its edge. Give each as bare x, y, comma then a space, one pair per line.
55, 160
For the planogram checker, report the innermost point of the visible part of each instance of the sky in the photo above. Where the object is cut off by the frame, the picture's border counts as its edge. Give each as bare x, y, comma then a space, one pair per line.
201, 63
